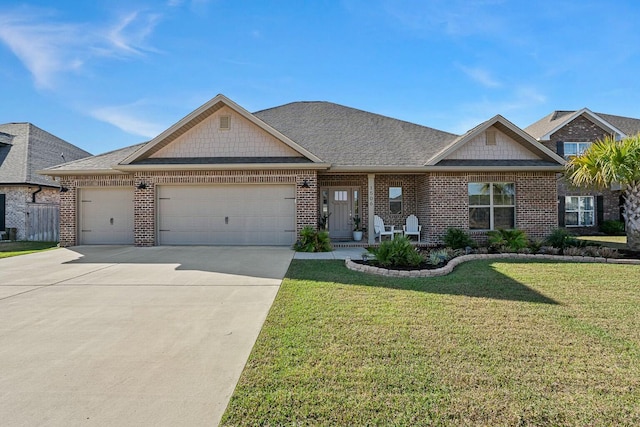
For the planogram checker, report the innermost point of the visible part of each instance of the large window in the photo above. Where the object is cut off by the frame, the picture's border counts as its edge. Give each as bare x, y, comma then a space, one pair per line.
492, 205
575, 148
395, 200
578, 211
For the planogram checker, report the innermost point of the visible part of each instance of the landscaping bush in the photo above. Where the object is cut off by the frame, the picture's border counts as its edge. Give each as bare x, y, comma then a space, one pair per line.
560, 238
612, 228
456, 238
512, 240
312, 240
438, 256
398, 252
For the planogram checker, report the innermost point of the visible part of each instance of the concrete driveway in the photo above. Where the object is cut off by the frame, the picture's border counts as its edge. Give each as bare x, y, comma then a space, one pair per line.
126, 336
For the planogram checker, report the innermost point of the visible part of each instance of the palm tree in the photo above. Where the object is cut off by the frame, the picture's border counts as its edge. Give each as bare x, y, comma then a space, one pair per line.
609, 161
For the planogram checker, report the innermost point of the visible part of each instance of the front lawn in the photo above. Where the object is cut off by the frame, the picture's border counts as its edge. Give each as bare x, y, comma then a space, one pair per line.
618, 242
8, 249
494, 343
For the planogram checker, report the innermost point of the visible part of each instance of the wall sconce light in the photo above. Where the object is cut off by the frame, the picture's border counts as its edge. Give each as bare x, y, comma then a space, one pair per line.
305, 184
141, 186
63, 189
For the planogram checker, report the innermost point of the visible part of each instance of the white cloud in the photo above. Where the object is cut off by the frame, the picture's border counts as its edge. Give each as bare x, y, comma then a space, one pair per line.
481, 76
127, 118
48, 48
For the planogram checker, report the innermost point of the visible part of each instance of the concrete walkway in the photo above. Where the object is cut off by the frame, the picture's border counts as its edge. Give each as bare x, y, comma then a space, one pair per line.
123, 336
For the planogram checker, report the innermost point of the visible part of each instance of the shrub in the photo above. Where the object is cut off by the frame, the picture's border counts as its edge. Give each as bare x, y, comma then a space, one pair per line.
456, 238
440, 256
512, 240
612, 228
313, 241
398, 252
560, 238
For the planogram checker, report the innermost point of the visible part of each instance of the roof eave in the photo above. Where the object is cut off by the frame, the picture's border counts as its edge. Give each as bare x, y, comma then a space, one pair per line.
71, 172
235, 166
558, 168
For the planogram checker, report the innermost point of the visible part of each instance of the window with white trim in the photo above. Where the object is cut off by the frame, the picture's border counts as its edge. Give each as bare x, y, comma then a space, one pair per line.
579, 211
492, 205
395, 200
575, 148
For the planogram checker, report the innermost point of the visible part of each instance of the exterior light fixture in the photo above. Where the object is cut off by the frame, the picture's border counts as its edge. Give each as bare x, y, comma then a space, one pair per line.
305, 184
63, 189
141, 186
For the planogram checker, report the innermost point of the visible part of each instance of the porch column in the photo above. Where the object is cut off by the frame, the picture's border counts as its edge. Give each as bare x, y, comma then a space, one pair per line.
371, 190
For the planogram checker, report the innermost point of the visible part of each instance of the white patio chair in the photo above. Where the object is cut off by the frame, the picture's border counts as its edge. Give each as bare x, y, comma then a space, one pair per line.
411, 227
380, 229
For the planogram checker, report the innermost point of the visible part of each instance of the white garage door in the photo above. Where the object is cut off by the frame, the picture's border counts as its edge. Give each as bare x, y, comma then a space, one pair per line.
106, 216
235, 214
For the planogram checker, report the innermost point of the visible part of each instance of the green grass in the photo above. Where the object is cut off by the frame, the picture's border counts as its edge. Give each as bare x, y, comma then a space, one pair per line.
618, 242
494, 343
8, 249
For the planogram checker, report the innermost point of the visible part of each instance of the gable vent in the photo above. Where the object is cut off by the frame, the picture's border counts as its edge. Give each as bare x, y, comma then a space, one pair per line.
490, 137
225, 122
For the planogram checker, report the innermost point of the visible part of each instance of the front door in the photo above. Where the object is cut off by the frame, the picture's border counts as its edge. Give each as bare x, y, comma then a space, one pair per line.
343, 204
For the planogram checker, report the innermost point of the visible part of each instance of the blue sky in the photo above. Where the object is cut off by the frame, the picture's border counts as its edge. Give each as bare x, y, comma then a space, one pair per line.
106, 74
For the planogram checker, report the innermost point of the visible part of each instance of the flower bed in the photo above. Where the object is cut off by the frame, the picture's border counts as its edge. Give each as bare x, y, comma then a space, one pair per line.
448, 268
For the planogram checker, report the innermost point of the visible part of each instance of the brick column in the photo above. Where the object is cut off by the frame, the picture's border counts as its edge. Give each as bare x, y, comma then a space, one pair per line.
144, 211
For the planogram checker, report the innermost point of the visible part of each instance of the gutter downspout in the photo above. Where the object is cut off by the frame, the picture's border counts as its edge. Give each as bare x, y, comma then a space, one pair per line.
33, 195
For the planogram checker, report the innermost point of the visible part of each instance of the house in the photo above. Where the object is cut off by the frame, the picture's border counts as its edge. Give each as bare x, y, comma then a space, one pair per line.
568, 133
223, 175
29, 201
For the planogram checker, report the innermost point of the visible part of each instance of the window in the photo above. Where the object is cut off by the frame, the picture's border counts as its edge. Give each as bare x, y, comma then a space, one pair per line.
340, 196
395, 200
492, 205
578, 211
575, 148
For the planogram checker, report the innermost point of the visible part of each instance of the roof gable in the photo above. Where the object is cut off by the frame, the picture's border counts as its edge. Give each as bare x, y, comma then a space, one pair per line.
547, 126
198, 135
511, 143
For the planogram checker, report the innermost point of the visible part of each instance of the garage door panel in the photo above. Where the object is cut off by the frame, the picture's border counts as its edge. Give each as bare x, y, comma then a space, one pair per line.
226, 215
106, 216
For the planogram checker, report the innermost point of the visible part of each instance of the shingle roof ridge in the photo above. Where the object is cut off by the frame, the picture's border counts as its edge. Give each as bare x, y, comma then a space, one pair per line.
356, 110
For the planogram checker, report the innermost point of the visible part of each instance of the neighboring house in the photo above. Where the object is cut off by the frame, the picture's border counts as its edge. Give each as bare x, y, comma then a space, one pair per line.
223, 175
569, 133
29, 201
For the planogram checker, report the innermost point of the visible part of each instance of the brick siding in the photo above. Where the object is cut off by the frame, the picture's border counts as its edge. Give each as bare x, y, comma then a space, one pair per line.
144, 199
17, 198
582, 129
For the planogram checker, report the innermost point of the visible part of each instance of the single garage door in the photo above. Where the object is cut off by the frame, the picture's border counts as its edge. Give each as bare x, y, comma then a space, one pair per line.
106, 216
234, 214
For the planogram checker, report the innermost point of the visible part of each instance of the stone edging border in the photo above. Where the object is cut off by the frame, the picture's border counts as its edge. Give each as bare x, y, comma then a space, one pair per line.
442, 271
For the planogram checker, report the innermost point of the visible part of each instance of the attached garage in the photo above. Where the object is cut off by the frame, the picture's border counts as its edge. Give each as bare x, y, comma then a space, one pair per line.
233, 214
106, 216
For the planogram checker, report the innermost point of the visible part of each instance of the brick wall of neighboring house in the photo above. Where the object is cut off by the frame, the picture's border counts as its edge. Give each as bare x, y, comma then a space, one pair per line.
144, 199
17, 199
583, 130
448, 202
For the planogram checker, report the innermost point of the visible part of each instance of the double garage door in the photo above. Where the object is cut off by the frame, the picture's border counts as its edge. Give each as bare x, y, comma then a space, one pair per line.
234, 214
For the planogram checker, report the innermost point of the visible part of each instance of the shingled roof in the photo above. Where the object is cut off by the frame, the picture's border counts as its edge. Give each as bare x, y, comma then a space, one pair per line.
345, 136
101, 163
542, 127
25, 149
